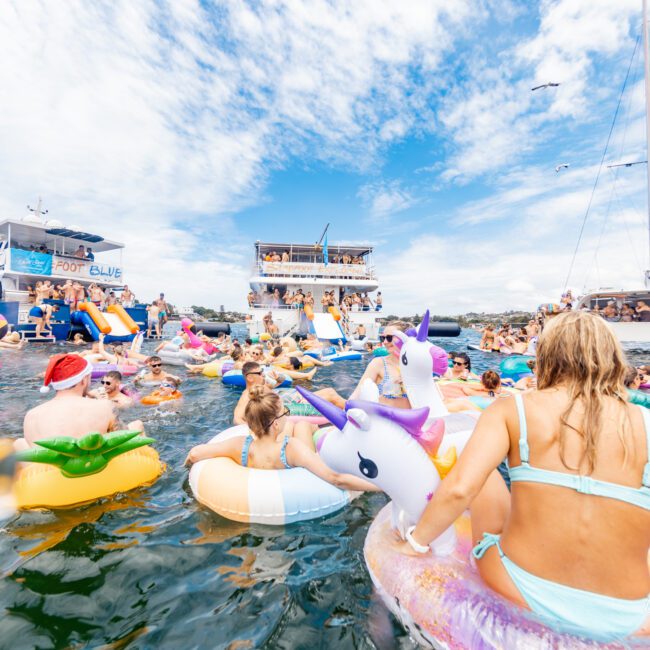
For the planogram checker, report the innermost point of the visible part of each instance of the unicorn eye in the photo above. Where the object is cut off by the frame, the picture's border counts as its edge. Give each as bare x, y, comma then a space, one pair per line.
405, 361
367, 467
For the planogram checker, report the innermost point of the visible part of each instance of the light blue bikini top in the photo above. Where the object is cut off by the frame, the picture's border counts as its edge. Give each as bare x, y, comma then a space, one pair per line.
247, 445
585, 484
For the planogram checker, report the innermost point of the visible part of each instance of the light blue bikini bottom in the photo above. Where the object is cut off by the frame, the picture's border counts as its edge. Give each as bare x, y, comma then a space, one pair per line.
562, 608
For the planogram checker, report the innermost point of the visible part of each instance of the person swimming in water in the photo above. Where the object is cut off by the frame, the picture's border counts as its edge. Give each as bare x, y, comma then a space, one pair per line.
571, 542
385, 372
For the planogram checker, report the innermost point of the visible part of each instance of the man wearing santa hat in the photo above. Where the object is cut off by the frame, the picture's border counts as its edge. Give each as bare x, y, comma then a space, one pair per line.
70, 412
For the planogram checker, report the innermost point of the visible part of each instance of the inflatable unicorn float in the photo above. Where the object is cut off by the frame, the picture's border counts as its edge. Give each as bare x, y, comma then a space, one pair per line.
428, 431
407, 453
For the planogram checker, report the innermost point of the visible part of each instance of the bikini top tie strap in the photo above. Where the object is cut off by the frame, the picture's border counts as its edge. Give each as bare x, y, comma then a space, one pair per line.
646, 423
524, 451
283, 453
244, 450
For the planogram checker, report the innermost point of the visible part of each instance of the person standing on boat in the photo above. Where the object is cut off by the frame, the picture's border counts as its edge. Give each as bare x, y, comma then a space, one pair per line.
41, 315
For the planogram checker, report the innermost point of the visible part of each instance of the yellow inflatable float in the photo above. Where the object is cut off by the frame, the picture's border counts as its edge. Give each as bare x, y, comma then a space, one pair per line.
77, 471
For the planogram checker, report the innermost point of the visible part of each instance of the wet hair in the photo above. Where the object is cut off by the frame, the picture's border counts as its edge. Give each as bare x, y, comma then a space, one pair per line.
578, 350
248, 341
295, 363
262, 408
113, 374
490, 380
153, 358
464, 356
250, 366
236, 354
277, 351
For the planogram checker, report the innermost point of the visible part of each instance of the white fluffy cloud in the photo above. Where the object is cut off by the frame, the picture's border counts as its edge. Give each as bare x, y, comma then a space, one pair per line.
153, 122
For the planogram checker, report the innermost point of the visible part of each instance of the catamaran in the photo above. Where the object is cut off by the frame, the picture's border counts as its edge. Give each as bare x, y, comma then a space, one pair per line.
311, 268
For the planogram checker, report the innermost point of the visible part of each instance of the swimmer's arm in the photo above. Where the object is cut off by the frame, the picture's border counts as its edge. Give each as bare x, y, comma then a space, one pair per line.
102, 351
228, 448
240, 409
299, 455
370, 373
487, 447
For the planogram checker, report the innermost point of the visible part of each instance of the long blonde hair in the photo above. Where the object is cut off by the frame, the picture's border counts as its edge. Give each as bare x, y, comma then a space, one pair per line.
262, 407
579, 351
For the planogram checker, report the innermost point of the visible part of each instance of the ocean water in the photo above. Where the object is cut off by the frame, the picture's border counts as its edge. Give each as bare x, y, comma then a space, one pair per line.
154, 569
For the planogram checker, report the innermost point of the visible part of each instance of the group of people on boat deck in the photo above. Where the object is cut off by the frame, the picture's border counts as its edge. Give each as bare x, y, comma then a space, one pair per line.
626, 313
84, 253
355, 301
286, 256
73, 292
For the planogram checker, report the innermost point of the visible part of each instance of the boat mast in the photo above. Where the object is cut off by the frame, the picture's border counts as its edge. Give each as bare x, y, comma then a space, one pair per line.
646, 68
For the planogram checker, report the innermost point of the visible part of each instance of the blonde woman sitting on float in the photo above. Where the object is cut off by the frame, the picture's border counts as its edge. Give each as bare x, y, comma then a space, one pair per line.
265, 448
571, 542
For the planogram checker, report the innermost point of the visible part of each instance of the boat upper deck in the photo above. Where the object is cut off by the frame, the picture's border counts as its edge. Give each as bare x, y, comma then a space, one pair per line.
35, 250
339, 264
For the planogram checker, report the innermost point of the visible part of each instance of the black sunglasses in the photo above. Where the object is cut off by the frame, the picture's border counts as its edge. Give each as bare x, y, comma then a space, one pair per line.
155, 365
277, 417
459, 363
388, 338
254, 373
106, 383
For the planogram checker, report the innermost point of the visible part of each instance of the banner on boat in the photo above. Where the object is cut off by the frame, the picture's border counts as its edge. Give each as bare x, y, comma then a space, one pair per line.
71, 267
313, 270
31, 262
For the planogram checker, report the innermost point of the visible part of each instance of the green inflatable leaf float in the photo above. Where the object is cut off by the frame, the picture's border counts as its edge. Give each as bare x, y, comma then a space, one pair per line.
84, 456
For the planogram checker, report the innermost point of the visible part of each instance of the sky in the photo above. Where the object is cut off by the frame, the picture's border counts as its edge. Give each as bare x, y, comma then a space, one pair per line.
188, 130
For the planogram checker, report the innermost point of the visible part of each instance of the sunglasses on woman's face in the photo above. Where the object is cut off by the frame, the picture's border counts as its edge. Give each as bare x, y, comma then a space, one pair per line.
459, 363
388, 338
277, 417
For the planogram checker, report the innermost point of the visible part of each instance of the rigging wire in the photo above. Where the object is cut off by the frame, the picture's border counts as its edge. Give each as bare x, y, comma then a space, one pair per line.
600, 167
614, 170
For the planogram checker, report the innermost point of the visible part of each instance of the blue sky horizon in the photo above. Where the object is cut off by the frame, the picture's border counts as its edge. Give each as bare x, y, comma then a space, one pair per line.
189, 130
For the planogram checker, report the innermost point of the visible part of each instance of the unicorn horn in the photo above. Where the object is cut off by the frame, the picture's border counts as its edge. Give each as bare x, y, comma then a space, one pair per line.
333, 413
423, 330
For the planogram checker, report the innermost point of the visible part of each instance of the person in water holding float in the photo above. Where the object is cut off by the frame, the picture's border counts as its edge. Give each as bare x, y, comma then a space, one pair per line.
571, 542
71, 412
111, 389
266, 448
385, 372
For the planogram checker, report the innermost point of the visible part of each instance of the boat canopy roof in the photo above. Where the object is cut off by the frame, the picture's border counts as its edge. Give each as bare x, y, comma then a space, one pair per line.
37, 234
358, 250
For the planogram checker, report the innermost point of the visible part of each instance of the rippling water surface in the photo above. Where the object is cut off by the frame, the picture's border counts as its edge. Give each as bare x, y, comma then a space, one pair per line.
152, 568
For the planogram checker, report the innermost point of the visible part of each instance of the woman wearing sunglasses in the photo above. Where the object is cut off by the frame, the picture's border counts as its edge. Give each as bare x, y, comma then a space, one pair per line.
385, 372
265, 448
461, 368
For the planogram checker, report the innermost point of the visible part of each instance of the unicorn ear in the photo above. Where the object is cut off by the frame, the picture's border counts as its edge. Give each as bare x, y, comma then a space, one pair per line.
423, 331
359, 419
369, 391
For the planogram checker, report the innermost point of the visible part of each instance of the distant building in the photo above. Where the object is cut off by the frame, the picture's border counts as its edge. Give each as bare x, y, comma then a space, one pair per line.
187, 312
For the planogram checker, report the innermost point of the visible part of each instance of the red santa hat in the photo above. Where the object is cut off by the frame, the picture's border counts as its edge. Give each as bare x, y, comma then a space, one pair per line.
65, 371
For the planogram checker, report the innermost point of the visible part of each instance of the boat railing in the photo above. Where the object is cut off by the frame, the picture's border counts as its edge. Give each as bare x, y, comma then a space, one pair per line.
315, 270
